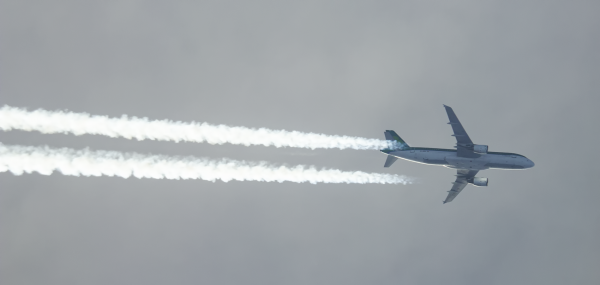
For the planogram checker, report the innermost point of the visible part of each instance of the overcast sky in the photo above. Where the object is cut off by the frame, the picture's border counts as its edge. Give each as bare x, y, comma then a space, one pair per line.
522, 76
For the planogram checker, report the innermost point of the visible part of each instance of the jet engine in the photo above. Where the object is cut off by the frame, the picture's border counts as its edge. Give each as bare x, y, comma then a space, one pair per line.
478, 181
479, 148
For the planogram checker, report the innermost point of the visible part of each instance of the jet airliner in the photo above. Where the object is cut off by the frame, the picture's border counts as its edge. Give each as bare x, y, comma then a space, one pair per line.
467, 158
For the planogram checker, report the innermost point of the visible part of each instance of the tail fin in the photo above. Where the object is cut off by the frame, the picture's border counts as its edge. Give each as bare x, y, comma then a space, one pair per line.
396, 141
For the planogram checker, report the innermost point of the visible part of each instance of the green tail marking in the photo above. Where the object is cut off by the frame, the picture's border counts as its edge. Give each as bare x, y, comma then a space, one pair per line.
399, 143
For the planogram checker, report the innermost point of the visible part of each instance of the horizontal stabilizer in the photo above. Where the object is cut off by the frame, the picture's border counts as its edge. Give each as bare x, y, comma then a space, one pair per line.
390, 160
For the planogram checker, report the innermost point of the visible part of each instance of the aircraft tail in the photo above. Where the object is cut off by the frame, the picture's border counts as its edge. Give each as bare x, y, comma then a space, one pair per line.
390, 160
396, 141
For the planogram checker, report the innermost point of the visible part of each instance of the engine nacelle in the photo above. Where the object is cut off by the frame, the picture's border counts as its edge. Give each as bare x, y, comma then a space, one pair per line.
478, 181
479, 148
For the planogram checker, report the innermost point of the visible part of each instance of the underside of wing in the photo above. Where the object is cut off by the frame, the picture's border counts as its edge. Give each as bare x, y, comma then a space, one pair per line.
459, 132
464, 145
462, 177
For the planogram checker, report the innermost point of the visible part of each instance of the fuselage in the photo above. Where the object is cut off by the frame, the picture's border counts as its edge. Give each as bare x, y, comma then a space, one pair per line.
448, 158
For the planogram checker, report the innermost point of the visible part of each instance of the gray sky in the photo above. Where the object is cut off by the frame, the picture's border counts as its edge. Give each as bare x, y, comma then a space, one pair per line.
521, 75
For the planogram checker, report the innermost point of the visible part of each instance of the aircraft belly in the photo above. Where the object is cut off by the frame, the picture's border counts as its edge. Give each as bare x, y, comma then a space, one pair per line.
438, 159
420, 157
404, 155
430, 157
435, 162
503, 162
467, 162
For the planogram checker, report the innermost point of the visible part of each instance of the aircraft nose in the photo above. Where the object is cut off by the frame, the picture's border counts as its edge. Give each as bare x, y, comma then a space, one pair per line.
530, 164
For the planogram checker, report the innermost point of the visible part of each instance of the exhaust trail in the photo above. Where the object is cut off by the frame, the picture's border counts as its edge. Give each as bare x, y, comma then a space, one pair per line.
45, 160
50, 122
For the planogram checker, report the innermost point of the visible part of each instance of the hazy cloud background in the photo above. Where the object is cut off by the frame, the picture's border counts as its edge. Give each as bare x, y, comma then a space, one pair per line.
521, 75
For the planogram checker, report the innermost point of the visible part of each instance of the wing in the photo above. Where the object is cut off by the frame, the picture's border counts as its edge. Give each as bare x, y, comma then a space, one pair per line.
464, 145
462, 175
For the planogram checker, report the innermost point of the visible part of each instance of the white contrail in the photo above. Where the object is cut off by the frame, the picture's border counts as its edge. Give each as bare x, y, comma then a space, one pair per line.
45, 160
49, 122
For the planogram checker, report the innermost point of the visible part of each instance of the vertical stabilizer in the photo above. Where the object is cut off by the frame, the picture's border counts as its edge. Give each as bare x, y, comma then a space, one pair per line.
396, 141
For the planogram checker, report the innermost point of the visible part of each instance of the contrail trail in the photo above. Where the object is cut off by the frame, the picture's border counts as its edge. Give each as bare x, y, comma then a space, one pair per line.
45, 160
50, 122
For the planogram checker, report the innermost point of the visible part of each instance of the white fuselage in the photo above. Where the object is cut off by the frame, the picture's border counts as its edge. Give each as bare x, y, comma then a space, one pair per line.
448, 158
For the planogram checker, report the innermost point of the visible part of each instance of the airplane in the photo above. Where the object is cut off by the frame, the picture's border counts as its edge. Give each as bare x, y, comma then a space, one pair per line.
467, 159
